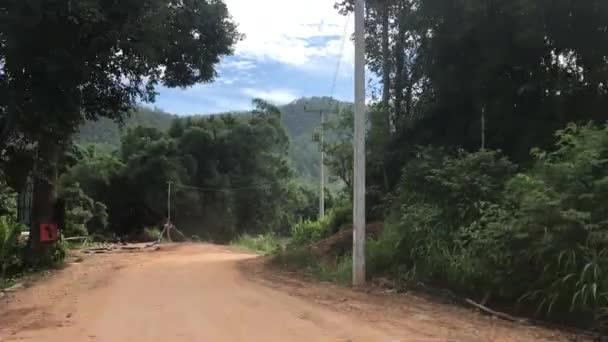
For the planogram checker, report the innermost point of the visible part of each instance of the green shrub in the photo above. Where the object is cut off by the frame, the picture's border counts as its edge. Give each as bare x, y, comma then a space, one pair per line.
10, 253
149, 234
338, 218
538, 238
83, 214
306, 232
438, 195
264, 243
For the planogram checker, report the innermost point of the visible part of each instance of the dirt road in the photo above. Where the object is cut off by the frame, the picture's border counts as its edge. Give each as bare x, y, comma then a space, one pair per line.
210, 293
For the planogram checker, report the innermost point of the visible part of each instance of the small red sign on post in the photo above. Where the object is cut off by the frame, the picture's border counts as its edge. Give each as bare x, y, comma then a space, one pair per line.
48, 232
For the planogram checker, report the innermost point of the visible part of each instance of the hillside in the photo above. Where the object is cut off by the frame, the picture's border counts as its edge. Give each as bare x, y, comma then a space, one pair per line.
300, 117
108, 132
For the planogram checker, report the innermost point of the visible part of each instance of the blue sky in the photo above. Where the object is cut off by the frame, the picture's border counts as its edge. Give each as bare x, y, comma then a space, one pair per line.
291, 49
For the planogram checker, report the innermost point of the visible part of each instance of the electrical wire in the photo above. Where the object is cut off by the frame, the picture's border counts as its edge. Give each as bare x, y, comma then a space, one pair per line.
203, 189
339, 62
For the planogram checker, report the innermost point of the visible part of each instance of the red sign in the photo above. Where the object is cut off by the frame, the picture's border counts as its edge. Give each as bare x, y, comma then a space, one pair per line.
48, 232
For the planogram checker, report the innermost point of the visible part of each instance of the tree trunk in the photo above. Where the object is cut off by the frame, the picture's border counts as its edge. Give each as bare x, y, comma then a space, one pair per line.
44, 196
386, 61
399, 67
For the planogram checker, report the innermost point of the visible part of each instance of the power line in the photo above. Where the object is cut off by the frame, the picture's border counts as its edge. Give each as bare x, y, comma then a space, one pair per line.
203, 189
339, 62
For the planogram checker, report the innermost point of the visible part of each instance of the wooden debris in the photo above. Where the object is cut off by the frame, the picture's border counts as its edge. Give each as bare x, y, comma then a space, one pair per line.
14, 288
501, 315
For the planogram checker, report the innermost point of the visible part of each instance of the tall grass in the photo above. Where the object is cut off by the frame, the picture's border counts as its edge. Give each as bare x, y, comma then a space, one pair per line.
263, 244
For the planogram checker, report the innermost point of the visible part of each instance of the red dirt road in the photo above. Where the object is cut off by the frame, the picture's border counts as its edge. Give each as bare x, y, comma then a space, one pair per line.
210, 293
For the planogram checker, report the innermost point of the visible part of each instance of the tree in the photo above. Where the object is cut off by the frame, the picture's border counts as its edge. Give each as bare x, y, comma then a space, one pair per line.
66, 61
339, 149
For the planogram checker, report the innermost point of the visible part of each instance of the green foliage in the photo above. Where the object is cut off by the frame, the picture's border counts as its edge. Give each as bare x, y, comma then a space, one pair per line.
176, 46
307, 232
338, 147
107, 132
302, 118
8, 205
62, 63
538, 237
83, 214
15, 259
149, 234
230, 177
10, 253
263, 244
338, 269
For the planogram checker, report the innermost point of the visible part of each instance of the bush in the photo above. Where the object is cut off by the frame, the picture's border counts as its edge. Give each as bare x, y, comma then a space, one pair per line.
438, 194
538, 238
11, 257
83, 214
149, 234
308, 232
264, 243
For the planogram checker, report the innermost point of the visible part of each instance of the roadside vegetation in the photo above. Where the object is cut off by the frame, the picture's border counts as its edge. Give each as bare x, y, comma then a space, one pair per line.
487, 148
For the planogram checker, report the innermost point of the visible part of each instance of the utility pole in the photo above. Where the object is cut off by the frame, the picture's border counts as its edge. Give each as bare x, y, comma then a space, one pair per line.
169, 201
168, 225
322, 166
483, 129
359, 149
322, 170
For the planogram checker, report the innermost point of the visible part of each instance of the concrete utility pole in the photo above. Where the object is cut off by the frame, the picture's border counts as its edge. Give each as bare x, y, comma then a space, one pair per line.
359, 149
169, 201
483, 129
322, 166
168, 224
322, 170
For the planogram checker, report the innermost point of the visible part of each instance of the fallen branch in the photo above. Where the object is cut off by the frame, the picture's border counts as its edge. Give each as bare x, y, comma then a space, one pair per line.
496, 313
131, 248
75, 238
14, 288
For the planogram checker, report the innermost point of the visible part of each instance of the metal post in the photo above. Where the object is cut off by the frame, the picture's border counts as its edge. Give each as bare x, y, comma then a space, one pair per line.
359, 149
322, 170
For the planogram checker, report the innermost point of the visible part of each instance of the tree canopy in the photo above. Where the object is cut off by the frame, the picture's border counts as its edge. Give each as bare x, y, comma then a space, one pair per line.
66, 61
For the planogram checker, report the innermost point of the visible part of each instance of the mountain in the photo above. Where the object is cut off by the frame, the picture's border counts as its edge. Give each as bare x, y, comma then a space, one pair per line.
300, 117
108, 132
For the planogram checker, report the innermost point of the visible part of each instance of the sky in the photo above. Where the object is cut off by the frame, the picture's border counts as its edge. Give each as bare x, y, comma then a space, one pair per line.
291, 49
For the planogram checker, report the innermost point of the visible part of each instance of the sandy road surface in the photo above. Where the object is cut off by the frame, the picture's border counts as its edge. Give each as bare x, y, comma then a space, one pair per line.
210, 293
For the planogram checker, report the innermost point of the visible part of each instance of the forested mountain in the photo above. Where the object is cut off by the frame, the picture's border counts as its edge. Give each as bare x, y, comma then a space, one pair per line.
301, 118
108, 132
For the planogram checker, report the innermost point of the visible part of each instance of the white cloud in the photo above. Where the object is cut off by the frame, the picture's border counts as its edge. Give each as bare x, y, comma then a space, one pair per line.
282, 30
238, 64
277, 96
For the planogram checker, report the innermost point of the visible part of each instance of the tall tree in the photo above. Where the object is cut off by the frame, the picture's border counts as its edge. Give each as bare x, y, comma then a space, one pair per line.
65, 61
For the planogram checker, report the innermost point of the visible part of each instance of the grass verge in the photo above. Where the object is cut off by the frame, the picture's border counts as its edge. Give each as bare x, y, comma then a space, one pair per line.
336, 269
262, 244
